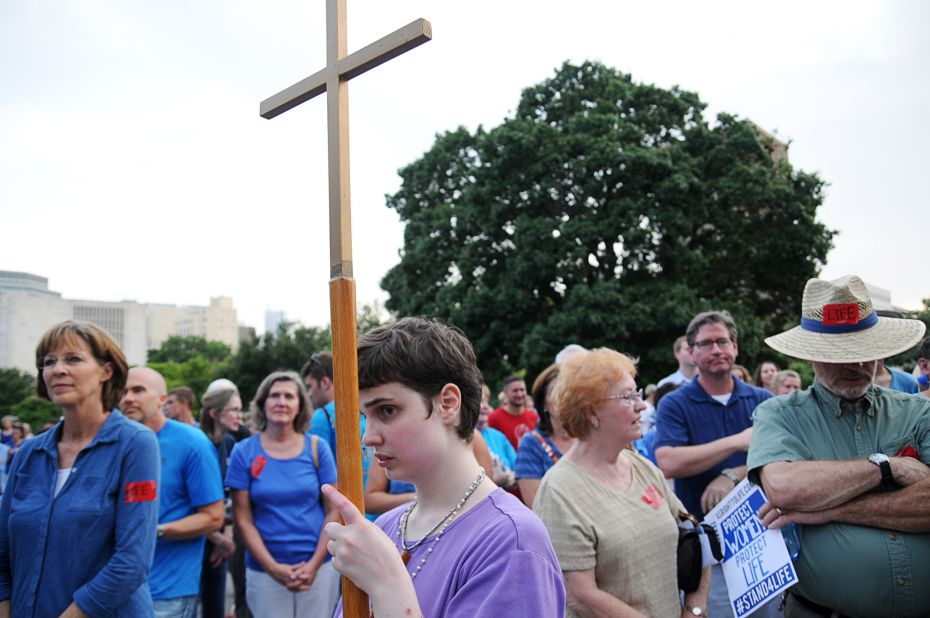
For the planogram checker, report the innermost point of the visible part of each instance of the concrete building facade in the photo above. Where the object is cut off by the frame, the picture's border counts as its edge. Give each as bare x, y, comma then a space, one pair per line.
28, 308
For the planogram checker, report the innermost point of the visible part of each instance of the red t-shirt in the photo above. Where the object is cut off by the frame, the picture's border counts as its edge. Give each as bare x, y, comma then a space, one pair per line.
513, 426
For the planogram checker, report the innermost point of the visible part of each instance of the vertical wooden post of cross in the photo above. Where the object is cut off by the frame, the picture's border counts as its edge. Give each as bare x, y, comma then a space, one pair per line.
333, 80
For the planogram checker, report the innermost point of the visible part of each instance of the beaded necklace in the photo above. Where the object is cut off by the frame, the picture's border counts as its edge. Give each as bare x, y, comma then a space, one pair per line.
441, 526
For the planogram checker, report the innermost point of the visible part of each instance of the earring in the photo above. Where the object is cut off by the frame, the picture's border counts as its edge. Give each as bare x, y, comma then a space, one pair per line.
595, 422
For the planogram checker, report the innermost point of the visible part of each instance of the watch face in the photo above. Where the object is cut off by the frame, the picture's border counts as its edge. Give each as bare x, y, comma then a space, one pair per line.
697, 611
878, 458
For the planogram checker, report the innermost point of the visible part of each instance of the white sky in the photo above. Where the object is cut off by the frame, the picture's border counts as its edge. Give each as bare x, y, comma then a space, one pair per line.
134, 164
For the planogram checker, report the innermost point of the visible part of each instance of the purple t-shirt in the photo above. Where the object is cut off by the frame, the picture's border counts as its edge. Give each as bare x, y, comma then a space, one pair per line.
495, 560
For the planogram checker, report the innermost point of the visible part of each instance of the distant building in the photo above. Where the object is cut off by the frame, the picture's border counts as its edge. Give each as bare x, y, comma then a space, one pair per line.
881, 298
272, 319
216, 322
776, 148
28, 308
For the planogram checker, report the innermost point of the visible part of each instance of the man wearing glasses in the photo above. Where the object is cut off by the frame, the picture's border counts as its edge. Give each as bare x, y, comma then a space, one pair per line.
704, 428
317, 374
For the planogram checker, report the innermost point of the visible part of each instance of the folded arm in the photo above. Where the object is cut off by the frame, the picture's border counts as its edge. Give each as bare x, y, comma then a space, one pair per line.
818, 485
683, 461
903, 510
207, 519
377, 497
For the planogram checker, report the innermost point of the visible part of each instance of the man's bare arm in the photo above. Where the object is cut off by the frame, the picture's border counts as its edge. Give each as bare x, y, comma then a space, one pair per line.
817, 485
207, 519
903, 510
821, 485
682, 461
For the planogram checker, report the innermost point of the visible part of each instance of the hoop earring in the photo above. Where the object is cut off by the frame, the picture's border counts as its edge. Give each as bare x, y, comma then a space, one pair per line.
595, 422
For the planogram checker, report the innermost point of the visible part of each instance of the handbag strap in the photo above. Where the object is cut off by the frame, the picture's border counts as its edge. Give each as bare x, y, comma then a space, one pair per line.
546, 447
314, 441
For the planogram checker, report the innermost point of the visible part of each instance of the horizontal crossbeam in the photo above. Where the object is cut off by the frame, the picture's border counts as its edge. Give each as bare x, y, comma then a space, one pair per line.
401, 40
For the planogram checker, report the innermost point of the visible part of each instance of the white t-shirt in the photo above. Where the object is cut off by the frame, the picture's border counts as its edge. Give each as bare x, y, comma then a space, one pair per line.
63, 474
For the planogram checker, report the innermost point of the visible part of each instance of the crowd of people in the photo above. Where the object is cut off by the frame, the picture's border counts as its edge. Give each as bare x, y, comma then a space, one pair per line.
564, 500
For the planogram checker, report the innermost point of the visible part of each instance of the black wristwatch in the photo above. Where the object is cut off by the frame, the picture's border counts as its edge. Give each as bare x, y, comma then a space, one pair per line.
884, 464
696, 611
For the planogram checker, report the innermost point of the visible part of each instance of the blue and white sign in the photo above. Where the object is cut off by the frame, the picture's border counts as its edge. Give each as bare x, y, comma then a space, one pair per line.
756, 563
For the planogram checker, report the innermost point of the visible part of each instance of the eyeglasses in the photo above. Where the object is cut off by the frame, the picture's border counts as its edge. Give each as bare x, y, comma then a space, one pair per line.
632, 398
233, 410
708, 344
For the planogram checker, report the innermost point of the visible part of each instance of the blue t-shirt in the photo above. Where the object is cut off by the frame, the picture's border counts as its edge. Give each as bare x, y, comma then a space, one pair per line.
688, 416
401, 487
285, 497
323, 424
500, 446
92, 543
532, 458
190, 479
645, 446
904, 382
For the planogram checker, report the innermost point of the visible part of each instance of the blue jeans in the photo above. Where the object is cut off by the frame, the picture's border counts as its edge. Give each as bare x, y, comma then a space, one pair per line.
718, 601
181, 607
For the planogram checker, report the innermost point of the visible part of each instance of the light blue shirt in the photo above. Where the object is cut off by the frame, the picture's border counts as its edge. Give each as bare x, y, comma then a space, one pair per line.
190, 479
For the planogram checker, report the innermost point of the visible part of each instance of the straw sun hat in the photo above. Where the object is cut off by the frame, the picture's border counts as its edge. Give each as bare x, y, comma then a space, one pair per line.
840, 325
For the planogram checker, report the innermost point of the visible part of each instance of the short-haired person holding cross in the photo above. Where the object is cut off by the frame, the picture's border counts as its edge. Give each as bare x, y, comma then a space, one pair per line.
463, 547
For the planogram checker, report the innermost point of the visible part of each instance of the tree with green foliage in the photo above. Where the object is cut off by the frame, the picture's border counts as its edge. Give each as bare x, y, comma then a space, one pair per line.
15, 386
36, 411
180, 349
288, 347
907, 359
196, 372
605, 213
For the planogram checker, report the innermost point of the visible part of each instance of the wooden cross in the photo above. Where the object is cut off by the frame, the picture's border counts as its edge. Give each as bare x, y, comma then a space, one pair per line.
333, 80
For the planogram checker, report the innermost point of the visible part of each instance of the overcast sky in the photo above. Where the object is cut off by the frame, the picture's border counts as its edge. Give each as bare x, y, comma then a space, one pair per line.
134, 164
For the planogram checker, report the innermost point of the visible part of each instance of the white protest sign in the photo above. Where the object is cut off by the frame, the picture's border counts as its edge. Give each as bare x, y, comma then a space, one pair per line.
756, 563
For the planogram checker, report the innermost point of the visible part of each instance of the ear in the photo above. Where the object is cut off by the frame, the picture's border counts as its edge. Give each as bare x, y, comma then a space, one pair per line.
107, 371
449, 404
326, 383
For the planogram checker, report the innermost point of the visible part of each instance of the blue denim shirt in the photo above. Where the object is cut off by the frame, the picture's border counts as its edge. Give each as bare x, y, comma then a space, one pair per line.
93, 543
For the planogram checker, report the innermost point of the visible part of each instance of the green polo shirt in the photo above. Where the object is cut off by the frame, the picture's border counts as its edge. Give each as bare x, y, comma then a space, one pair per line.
857, 570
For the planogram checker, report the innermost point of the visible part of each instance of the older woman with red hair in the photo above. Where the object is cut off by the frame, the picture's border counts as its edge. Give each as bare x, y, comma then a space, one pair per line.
612, 519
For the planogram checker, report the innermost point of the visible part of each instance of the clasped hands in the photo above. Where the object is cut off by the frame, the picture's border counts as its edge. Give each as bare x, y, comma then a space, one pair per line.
295, 577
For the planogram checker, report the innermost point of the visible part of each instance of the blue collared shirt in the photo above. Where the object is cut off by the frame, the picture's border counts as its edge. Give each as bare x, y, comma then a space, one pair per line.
92, 543
689, 416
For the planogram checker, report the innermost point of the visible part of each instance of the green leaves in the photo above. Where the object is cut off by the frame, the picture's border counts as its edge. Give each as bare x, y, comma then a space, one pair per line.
605, 212
15, 385
181, 349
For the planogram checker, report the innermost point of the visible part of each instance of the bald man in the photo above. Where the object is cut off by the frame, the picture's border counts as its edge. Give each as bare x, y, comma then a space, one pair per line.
190, 498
